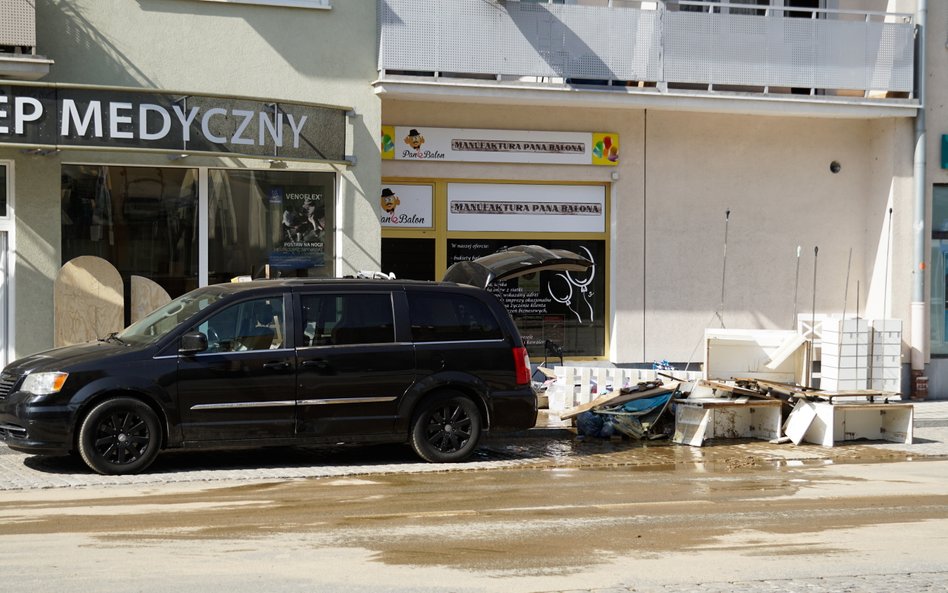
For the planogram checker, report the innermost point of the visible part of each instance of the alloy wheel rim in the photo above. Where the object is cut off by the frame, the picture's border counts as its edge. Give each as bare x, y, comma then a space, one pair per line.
122, 438
449, 428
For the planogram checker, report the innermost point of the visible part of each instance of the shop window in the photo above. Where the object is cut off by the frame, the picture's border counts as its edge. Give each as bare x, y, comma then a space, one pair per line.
565, 308
269, 223
939, 271
141, 219
409, 259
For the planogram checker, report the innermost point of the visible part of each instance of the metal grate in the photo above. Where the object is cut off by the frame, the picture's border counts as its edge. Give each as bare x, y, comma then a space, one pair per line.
18, 23
7, 383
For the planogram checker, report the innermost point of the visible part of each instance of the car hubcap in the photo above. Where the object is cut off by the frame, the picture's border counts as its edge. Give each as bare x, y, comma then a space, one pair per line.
122, 438
449, 428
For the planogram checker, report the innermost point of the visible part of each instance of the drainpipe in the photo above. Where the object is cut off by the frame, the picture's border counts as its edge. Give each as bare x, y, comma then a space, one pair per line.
919, 309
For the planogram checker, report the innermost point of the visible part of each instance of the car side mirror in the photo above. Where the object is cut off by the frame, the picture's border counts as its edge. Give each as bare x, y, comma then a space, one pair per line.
192, 343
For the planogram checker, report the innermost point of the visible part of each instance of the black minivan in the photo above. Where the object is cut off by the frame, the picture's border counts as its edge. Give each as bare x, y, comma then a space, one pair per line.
282, 362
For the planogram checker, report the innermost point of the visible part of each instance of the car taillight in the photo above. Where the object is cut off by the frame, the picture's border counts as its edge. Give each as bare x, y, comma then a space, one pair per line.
521, 366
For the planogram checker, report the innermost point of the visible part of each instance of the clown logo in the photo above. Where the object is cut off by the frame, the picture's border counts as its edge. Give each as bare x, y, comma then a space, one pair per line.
389, 201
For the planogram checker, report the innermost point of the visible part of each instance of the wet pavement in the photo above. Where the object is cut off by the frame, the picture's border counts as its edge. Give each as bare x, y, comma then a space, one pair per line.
551, 444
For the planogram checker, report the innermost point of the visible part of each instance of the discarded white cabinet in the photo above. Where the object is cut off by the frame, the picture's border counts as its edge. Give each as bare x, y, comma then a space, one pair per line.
826, 423
697, 420
773, 355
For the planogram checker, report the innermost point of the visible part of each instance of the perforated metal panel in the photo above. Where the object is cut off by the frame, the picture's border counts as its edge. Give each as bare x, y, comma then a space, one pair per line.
595, 43
18, 23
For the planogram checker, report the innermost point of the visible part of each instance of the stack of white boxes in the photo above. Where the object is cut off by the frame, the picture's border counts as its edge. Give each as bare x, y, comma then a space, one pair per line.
845, 358
885, 371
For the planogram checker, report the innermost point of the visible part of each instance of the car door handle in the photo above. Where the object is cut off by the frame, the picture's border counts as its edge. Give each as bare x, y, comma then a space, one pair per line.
277, 365
315, 364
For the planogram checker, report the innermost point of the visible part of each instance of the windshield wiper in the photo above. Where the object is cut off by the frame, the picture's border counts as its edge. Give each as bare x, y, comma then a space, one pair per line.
112, 336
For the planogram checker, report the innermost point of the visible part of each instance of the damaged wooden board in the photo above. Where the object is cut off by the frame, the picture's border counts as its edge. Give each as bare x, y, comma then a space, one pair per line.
736, 389
616, 398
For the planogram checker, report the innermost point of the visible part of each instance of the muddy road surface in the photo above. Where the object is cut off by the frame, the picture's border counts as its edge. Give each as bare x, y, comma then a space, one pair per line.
786, 527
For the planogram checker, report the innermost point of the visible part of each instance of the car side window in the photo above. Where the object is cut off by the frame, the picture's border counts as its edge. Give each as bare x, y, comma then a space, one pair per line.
340, 319
450, 318
248, 325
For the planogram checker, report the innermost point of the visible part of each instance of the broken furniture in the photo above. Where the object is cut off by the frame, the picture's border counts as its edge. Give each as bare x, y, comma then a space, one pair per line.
774, 355
849, 417
700, 419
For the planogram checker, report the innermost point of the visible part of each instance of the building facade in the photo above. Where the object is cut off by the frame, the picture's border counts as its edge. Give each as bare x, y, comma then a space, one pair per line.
765, 170
744, 165
185, 143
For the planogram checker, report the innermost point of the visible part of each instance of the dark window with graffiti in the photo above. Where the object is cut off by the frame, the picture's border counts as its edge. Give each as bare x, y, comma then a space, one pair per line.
565, 308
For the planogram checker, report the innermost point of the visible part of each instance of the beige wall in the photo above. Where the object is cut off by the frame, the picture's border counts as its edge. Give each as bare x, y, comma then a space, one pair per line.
680, 172
312, 56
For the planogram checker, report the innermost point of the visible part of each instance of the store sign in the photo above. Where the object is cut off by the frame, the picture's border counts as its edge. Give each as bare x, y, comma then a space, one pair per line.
524, 208
95, 118
406, 206
499, 146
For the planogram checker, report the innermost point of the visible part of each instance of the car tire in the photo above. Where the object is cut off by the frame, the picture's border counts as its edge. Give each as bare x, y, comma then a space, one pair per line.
119, 436
446, 428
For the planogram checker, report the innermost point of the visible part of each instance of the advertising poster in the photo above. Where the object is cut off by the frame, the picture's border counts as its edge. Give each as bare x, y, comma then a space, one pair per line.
302, 226
404, 206
567, 308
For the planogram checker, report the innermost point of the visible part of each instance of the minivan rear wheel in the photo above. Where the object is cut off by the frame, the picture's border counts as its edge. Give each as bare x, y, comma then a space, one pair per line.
446, 428
119, 436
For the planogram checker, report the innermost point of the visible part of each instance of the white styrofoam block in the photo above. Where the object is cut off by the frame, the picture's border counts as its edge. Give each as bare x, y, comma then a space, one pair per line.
833, 384
833, 349
879, 349
838, 373
887, 338
844, 362
890, 373
885, 361
846, 325
886, 325
886, 385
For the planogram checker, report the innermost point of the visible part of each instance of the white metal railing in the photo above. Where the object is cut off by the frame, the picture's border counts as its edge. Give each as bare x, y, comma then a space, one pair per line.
625, 42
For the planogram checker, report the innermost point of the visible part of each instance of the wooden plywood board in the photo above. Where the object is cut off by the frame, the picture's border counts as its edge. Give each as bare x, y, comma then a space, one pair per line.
146, 296
615, 398
88, 301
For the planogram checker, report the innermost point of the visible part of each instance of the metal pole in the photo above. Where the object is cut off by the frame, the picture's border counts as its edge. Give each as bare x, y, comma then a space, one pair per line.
919, 307
796, 286
849, 265
885, 277
816, 255
727, 219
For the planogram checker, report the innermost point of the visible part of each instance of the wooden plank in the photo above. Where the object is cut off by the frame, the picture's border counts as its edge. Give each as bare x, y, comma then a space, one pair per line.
146, 296
615, 398
88, 301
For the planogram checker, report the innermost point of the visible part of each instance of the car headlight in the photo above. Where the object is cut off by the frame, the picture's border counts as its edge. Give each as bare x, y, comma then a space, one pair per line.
44, 383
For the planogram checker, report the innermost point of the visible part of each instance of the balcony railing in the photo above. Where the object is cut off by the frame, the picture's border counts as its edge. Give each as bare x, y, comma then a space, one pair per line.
18, 57
661, 44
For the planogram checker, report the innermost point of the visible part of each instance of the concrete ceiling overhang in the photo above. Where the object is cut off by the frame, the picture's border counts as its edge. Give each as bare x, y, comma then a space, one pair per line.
405, 88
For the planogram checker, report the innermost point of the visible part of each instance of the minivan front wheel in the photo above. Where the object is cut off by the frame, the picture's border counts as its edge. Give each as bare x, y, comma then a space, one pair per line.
446, 428
119, 436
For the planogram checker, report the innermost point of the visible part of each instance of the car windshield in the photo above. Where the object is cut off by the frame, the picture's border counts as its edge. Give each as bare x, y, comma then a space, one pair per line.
161, 321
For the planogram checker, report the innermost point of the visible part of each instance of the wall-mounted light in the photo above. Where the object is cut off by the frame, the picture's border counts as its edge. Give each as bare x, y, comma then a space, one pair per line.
177, 157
